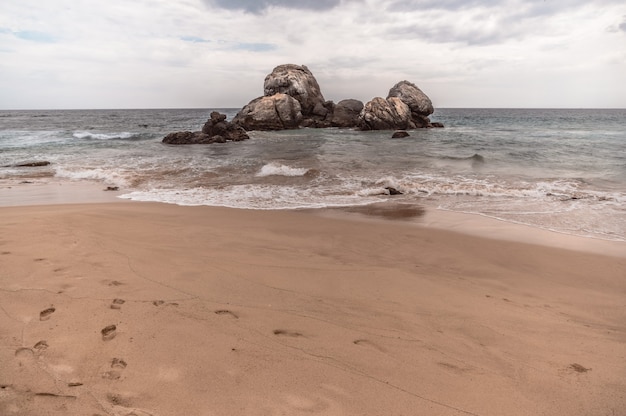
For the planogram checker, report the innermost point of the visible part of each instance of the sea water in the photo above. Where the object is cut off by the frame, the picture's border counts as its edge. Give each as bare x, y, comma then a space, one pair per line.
563, 170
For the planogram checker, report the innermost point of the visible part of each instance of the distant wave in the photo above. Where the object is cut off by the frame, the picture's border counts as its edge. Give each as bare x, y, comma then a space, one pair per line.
276, 169
475, 158
103, 136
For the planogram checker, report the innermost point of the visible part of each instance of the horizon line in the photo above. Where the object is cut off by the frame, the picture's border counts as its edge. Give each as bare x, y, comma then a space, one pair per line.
238, 108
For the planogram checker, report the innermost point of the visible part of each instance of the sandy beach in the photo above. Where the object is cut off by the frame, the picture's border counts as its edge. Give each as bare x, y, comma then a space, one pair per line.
153, 309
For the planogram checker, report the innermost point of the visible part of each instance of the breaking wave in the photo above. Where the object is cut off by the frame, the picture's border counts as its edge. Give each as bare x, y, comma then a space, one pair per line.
276, 169
104, 136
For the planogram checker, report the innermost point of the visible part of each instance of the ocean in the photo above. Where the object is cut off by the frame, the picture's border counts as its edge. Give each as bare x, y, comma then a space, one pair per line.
557, 169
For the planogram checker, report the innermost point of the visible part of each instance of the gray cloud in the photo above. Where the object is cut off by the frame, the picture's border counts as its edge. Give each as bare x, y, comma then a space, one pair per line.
413, 5
485, 22
447, 33
622, 26
529, 8
258, 6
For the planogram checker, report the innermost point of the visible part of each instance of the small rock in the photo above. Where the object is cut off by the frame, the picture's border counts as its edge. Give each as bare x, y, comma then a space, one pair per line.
399, 134
393, 191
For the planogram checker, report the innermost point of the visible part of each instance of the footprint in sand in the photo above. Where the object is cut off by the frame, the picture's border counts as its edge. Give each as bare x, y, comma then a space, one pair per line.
287, 333
24, 354
45, 314
227, 313
117, 303
41, 345
108, 332
117, 365
158, 302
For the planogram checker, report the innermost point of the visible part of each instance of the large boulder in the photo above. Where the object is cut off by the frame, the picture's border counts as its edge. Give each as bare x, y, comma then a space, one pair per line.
346, 113
381, 114
297, 82
215, 130
406, 107
277, 112
292, 98
418, 102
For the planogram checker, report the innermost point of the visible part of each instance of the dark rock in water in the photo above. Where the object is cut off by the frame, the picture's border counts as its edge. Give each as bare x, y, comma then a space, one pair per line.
187, 137
112, 188
346, 113
393, 191
215, 130
436, 124
29, 164
221, 130
400, 134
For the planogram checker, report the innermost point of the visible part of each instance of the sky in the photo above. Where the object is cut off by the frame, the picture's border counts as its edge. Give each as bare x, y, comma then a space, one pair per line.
66, 54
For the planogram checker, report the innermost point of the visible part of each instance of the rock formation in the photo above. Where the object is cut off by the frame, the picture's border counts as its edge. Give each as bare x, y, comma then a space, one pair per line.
406, 107
276, 110
293, 98
215, 130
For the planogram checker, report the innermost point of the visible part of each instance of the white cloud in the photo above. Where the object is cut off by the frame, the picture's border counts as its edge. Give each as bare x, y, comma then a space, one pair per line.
213, 53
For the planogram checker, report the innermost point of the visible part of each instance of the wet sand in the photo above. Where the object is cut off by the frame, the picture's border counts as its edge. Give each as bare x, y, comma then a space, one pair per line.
153, 309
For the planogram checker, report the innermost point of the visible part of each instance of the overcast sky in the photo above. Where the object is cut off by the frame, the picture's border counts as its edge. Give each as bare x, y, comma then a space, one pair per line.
216, 53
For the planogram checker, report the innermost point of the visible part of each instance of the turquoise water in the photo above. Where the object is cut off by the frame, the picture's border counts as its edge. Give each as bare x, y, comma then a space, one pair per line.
563, 170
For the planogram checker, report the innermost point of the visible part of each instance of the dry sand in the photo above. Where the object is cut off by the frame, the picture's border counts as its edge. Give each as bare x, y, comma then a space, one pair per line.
151, 309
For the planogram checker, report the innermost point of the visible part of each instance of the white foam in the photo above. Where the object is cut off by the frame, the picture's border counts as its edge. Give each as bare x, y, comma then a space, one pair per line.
250, 197
107, 176
102, 136
458, 185
276, 169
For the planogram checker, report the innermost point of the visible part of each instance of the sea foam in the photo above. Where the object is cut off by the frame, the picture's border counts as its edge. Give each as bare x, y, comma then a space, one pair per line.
102, 136
276, 169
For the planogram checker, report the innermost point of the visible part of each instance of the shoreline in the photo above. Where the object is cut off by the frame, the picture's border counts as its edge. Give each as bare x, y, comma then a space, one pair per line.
58, 192
161, 309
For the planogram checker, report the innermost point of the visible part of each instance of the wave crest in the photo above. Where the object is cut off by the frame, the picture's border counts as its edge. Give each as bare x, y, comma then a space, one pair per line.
103, 136
276, 169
